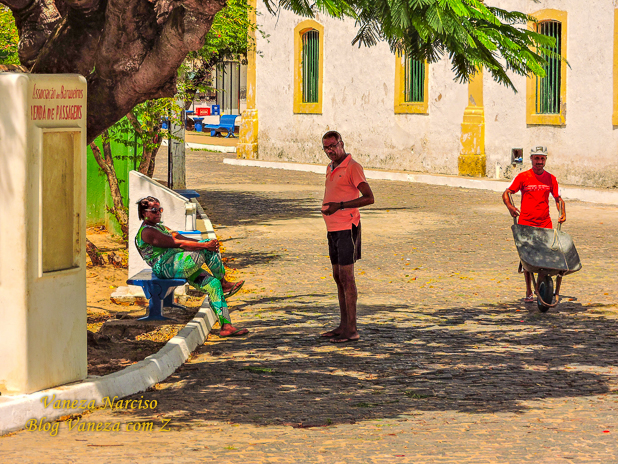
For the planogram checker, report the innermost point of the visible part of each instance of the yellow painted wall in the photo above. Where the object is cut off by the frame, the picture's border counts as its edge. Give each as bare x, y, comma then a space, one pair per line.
248, 136
472, 160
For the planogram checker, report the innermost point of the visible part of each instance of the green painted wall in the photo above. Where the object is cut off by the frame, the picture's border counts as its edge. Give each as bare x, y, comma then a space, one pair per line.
98, 196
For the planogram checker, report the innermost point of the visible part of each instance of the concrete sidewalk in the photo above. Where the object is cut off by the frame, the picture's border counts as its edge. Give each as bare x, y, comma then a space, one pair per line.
568, 192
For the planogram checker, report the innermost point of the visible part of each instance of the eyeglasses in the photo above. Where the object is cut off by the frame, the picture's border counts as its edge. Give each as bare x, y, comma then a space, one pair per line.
330, 147
155, 210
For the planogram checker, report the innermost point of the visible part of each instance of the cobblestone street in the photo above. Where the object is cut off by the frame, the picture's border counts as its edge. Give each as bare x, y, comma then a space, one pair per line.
451, 367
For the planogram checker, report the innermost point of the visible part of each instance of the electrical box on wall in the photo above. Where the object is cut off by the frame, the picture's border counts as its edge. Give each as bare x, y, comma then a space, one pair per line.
517, 156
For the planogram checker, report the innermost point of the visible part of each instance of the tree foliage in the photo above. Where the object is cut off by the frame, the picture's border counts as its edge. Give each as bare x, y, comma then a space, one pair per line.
227, 39
131, 50
8, 37
471, 33
229, 34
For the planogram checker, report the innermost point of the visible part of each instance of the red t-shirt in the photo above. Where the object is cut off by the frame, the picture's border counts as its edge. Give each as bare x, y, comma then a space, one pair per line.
535, 192
342, 185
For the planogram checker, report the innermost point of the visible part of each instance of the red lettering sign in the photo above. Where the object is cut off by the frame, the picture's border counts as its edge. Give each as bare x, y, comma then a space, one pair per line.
56, 110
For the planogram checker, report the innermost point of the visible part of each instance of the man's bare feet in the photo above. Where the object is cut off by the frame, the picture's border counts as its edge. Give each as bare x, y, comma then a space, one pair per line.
345, 337
331, 333
228, 330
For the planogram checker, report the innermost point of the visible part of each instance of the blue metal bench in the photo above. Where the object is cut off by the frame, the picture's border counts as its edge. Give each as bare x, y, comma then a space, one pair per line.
187, 193
226, 123
160, 292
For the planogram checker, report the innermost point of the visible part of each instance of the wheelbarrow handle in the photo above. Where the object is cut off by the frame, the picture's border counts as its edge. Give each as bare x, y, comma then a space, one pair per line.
511, 200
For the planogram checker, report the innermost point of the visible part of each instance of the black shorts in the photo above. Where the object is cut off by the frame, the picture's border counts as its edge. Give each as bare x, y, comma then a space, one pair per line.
344, 246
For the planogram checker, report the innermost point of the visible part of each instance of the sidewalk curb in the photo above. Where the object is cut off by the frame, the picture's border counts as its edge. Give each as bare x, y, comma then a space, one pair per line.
587, 194
15, 411
203, 146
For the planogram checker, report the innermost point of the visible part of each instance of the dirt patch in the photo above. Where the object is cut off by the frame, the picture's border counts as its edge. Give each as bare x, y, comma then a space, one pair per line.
116, 339
120, 342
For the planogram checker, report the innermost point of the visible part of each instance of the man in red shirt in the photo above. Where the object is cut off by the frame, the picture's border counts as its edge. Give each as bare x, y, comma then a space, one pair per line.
344, 180
535, 186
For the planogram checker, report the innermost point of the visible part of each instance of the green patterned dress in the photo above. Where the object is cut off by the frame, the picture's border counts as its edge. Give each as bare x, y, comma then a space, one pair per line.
171, 263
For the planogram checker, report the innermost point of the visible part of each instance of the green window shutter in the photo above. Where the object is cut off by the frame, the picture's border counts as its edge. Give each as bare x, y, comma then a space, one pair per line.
548, 87
311, 65
414, 81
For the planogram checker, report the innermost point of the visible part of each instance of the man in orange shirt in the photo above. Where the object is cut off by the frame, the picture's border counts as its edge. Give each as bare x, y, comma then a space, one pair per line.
535, 186
344, 180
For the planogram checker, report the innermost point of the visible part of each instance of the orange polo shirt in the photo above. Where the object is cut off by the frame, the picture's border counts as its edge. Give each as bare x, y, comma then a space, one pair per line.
342, 185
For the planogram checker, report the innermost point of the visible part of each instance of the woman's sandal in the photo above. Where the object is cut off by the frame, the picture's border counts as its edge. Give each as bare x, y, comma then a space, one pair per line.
236, 333
530, 299
234, 289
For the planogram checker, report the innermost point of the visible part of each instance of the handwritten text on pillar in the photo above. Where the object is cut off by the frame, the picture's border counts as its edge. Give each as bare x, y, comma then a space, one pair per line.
50, 111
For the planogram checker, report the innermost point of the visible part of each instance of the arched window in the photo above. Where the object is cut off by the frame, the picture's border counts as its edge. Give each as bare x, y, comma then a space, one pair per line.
308, 66
411, 85
546, 96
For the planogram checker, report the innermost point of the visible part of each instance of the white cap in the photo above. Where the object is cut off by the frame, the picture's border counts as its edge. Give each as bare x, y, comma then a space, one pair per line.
540, 150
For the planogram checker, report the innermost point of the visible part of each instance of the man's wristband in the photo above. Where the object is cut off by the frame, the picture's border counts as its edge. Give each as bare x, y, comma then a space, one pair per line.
341, 205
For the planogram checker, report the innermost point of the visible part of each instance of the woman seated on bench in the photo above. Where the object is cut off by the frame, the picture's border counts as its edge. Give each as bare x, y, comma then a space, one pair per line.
171, 255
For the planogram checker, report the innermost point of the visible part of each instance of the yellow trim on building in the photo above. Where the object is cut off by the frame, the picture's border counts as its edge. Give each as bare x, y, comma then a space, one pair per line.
299, 30
532, 117
401, 105
615, 112
248, 137
472, 161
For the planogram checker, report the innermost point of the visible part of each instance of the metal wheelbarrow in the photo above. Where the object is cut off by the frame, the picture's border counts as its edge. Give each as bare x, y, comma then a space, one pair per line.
547, 253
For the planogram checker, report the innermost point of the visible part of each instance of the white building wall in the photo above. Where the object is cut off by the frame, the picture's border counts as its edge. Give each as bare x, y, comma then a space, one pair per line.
358, 101
585, 150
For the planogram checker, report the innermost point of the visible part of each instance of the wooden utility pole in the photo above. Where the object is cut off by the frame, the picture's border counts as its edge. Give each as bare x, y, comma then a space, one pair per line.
176, 164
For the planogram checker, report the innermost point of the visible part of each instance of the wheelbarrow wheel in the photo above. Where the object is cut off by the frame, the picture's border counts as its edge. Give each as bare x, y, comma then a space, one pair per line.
546, 291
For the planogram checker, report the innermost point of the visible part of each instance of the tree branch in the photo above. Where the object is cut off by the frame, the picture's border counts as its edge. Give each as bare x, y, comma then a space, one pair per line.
129, 50
135, 123
106, 163
35, 21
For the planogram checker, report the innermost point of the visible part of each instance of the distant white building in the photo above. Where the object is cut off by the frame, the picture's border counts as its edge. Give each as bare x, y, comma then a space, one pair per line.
399, 115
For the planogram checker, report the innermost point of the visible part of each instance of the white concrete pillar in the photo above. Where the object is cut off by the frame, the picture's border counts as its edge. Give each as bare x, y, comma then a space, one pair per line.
42, 231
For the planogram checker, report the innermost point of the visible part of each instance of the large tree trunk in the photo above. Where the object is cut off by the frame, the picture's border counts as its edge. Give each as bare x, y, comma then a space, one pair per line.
106, 163
128, 50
